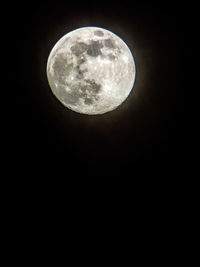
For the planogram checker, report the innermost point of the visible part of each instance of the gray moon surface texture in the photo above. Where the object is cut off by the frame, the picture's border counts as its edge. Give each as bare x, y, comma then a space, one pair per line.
91, 70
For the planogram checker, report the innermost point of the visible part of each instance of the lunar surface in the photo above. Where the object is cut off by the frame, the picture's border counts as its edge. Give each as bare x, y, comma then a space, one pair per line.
91, 70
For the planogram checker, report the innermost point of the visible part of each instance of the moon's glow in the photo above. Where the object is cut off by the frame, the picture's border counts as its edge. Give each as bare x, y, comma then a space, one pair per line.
91, 70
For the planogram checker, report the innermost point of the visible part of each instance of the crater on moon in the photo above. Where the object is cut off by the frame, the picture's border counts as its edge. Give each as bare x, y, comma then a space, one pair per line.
98, 33
87, 90
91, 70
109, 43
94, 49
78, 48
61, 67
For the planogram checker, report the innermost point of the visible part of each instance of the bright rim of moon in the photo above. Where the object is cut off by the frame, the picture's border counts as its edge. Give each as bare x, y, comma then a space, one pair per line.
91, 70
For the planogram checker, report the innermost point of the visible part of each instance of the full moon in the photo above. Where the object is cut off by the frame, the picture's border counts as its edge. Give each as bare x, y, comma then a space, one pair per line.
91, 70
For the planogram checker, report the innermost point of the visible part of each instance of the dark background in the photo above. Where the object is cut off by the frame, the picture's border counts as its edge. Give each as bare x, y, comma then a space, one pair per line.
145, 135
137, 155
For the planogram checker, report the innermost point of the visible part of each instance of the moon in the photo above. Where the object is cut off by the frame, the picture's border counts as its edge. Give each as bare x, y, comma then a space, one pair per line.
91, 70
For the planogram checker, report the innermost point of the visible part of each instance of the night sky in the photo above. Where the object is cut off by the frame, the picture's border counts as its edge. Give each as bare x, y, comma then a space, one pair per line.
144, 135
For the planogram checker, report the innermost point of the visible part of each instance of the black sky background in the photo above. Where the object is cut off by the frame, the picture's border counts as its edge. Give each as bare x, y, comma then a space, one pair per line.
144, 135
